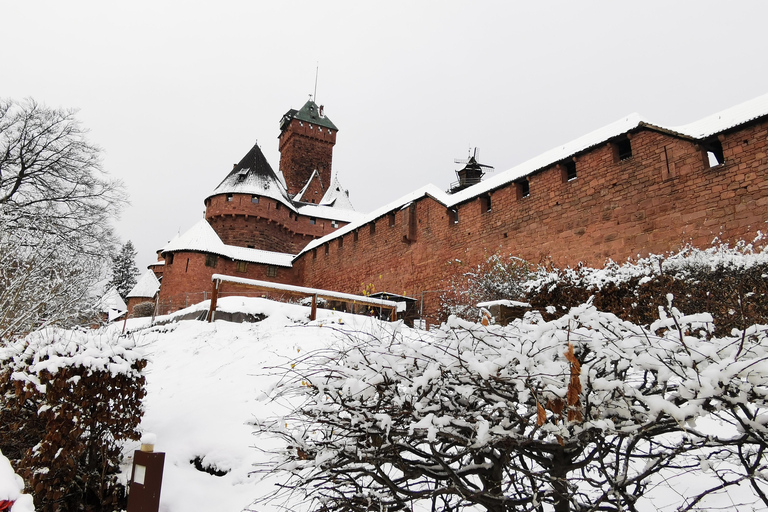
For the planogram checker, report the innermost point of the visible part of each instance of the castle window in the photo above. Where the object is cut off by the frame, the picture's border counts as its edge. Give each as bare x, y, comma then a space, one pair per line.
186, 269
314, 254
277, 205
229, 198
373, 228
334, 224
355, 234
569, 170
242, 266
211, 260
391, 217
271, 271
485, 203
327, 248
623, 149
169, 258
523, 188
341, 242
453, 216
255, 199
713, 152
312, 220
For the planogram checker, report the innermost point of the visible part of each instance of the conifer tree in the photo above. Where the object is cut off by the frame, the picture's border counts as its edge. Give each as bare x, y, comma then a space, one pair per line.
124, 270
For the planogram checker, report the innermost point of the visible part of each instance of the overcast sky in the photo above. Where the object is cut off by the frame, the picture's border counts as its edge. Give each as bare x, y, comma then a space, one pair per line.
176, 92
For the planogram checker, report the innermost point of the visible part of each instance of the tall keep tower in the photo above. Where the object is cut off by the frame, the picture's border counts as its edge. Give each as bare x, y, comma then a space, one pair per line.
306, 145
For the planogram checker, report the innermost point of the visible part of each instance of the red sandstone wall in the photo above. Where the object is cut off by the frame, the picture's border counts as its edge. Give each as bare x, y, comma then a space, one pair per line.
187, 280
304, 148
660, 199
267, 225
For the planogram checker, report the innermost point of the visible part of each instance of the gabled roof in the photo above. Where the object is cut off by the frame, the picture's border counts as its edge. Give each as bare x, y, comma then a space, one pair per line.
337, 196
253, 175
202, 238
147, 286
309, 113
112, 304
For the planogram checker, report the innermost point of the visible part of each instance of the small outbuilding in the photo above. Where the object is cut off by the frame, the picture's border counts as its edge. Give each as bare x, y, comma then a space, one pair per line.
146, 290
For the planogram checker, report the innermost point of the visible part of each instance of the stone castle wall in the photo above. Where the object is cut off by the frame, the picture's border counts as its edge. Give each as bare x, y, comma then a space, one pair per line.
660, 199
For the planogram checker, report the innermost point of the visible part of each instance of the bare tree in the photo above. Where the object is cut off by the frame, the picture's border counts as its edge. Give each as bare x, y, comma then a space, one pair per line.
56, 205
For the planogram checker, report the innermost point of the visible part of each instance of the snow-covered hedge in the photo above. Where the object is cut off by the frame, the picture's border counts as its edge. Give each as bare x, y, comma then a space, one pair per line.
584, 412
68, 399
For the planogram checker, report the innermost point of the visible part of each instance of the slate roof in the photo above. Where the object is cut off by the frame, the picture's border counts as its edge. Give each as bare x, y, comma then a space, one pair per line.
253, 175
309, 113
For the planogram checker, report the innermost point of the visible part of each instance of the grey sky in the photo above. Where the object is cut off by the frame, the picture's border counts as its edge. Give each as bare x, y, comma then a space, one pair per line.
176, 92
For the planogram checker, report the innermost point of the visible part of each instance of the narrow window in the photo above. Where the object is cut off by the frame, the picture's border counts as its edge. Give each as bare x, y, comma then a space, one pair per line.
714, 153
277, 205
485, 203
355, 234
453, 216
187, 267
523, 189
373, 228
211, 260
391, 219
255, 199
341, 242
327, 247
314, 254
169, 258
623, 149
569, 170
271, 271
229, 198
242, 266
312, 220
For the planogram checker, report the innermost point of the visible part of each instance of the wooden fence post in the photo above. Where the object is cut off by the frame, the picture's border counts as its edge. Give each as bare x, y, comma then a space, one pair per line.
313, 310
214, 300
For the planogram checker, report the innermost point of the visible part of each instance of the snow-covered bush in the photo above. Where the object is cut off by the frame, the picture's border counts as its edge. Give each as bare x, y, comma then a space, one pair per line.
731, 283
584, 412
68, 400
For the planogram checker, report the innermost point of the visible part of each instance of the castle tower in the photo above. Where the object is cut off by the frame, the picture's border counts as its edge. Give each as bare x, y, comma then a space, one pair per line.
306, 145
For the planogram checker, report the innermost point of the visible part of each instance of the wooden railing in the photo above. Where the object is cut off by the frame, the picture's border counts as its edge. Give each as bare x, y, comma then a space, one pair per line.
218, 279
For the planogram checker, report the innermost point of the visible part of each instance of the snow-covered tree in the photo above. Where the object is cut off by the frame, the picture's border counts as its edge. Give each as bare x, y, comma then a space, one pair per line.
585, 412
124, 270
56, 204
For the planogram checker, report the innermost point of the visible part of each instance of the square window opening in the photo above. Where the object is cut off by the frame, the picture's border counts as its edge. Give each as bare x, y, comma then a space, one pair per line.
229, 198
623, 149
242, 266
211, 260
523, 189
569, 171
255, 199
271, 271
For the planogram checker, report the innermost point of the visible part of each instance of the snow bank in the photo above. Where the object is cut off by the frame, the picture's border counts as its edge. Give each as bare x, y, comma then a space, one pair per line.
11, 487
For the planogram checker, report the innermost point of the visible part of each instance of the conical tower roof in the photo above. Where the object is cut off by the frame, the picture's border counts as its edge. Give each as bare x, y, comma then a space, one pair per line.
253, 175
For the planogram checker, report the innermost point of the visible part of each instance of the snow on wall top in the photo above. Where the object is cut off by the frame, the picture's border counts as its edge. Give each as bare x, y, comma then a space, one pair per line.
726, 119
706, 127
147, 286
202, 238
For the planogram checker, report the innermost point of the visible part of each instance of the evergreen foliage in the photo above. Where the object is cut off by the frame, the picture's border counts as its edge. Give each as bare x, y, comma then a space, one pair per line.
124, 270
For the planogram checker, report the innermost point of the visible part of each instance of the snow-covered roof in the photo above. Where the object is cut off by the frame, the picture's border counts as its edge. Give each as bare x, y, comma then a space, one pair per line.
337, 196
156, 264
329, 212
706, 127
147, 286
726, 119
112, 300
253, 175
503, 302
202, 238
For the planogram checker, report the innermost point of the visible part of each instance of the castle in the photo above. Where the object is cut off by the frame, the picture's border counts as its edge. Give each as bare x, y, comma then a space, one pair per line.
630, 188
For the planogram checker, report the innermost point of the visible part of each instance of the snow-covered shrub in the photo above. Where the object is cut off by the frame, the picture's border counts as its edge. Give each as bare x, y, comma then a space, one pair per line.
143, 309
731, 283
497, 278
584, 412
68, 400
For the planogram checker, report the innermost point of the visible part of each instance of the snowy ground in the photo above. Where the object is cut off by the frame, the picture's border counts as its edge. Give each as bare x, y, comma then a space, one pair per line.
204, 384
